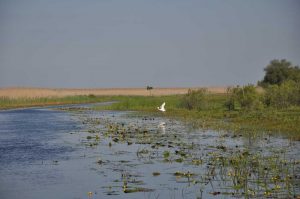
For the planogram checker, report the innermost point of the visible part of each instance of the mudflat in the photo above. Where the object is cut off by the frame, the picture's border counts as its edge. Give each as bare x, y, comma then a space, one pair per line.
19, 92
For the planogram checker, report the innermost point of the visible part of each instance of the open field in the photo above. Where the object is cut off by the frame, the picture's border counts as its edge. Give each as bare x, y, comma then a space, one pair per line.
53, 92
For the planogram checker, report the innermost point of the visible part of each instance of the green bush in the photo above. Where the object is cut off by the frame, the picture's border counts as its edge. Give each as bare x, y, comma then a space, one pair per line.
92, 96
283, 96
246, 97
195, 99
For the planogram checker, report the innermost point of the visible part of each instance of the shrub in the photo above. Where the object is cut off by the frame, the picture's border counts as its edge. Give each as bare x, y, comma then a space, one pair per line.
92, 96
246, 97
282, 96
195, 99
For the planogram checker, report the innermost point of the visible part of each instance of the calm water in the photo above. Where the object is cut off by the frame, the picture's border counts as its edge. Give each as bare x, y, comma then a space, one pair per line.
46, 153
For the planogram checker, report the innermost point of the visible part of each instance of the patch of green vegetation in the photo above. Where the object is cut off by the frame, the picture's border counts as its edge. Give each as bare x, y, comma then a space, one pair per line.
89, 137
156, 173
8, 103
166, 154
259, 172
255, 175
141, 103
136, 189
249, 112
195, 99
183, 174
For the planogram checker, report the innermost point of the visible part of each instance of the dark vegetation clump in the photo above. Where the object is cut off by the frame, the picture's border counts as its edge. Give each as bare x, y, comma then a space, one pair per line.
92, 96
278, 72
149, 87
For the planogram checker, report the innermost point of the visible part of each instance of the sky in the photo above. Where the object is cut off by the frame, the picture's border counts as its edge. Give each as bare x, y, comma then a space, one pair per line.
135, 43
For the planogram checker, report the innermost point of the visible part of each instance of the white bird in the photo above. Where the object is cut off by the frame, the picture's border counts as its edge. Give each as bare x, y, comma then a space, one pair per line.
162, 107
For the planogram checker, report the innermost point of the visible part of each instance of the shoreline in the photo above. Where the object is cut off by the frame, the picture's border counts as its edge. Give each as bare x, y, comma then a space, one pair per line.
266, 120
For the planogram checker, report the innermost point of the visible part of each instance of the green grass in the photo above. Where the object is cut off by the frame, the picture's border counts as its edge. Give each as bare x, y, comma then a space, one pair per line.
142, 103
216, 116
9, 103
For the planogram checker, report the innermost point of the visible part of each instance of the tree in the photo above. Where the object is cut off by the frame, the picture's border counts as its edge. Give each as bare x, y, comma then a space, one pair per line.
279, 71
149, 88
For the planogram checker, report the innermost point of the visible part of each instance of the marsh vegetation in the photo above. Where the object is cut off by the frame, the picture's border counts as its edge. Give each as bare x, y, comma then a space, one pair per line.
273, 108
194, 163
9, 103
243, 143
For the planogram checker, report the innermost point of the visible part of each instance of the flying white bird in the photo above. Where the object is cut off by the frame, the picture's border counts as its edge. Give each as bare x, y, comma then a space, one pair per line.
162, 107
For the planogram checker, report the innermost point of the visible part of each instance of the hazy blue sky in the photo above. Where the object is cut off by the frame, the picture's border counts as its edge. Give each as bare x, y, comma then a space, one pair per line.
134, 43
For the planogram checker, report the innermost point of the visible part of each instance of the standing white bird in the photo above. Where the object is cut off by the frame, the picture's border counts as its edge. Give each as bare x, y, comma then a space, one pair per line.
162, 107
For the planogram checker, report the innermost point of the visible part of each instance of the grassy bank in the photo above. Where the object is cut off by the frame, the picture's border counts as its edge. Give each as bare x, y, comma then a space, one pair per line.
9, 103
216, 116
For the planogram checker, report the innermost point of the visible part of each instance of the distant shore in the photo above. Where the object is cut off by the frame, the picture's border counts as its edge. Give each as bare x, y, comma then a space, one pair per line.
26, 92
